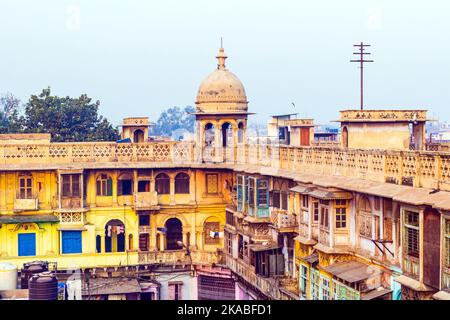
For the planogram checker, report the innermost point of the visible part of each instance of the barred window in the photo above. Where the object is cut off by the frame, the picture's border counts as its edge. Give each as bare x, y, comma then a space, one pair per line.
263, 186
182, 183
411, 235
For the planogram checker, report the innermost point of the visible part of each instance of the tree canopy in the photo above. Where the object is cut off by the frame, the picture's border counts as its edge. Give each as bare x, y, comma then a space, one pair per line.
175, 118
65, 118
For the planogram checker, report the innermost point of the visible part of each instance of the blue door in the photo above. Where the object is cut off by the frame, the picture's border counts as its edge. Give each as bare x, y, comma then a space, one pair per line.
71, 241
27, 244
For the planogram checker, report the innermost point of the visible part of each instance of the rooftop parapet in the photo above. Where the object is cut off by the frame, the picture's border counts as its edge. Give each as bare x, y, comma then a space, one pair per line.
383, 115
136, 121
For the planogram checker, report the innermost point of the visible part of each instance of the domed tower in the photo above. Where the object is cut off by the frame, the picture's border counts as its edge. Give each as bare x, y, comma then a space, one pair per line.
221, 113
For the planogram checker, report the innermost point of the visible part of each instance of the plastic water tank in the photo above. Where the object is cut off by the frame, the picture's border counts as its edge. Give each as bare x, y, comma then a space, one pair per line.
29, 269
43, 286
8, 276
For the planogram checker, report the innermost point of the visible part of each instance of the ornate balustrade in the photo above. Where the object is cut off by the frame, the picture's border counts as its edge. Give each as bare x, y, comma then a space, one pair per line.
283, 220
96, 152
179, 257
416, 168
429, 169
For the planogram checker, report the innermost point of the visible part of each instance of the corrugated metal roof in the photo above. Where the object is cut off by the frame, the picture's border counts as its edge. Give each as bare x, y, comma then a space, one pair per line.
352, 271
100, 286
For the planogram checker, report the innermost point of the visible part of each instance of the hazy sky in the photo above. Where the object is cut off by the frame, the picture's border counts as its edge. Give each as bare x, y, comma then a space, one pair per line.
140, 57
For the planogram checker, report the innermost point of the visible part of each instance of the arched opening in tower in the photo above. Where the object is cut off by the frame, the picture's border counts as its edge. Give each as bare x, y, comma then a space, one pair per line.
227, 134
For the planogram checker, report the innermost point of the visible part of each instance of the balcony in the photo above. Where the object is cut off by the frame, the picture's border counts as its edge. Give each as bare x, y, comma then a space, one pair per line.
26, 204
179, 257
146, 201
283, 221
281, 288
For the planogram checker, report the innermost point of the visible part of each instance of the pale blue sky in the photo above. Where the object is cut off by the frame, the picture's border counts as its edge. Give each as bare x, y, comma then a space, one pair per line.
139, 57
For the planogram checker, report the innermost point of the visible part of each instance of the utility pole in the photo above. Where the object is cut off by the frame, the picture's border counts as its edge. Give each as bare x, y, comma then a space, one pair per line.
361, 60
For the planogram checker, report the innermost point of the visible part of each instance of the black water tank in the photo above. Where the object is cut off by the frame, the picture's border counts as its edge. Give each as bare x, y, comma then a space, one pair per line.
29, 269
43, 286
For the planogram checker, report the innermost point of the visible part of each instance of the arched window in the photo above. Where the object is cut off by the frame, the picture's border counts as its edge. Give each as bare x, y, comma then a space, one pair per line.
345, 137
182, 183
241, 132
115, 236
227, 134
104, 185
211, 227
209, 134
174, 234
162, 183
364, 204
138, 136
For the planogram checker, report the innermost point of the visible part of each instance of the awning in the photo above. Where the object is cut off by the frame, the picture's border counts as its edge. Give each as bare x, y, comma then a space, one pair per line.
442, 295
22, 218
412, 283
302, 189
330, 195
305, 240
376, 293
352, 271
257, 220
312, 258
100, 286
256, 247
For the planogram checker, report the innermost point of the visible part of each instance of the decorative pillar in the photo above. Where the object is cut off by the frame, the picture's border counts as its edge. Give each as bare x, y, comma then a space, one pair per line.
172, 190
217, 144
192, 188
161, 241
332, 224
286, 255
102, 242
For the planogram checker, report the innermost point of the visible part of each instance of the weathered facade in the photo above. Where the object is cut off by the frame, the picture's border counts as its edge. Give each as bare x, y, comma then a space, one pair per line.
366, 219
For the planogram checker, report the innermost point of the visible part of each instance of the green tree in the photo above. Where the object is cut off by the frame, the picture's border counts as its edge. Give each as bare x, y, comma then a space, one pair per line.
66, 119
9, 113
175, 118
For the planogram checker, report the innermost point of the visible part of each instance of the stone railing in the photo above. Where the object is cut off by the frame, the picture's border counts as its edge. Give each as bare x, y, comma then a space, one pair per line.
179, 257
429, 169
416, 168
56, 153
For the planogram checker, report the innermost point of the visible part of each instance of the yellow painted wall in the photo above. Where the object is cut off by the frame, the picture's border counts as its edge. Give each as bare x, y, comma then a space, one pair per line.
378, 136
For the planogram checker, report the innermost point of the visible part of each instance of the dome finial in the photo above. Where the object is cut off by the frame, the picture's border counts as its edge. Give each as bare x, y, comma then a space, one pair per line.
221, 57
